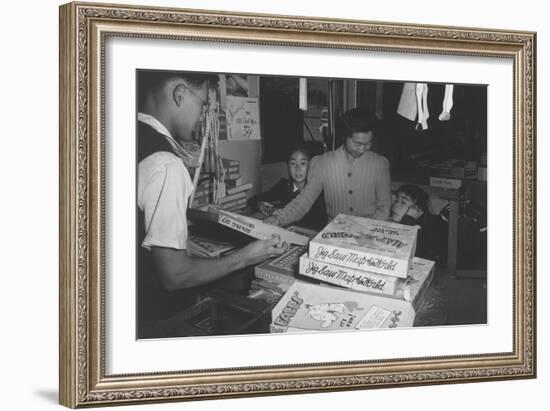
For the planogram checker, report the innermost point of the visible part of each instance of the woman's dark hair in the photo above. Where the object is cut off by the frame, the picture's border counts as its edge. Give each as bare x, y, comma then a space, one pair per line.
419, 196
359, 120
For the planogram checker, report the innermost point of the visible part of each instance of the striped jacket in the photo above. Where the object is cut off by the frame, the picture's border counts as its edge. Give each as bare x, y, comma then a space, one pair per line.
358, 187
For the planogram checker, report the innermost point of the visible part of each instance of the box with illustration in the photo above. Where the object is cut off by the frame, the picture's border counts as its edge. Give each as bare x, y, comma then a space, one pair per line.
312, 307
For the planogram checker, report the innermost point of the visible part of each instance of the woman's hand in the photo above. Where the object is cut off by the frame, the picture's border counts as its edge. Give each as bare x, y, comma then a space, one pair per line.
273, 220
265, 207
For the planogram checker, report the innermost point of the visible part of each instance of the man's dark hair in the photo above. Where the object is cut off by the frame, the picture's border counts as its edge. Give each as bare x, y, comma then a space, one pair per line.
150, 81
417, 195
359, 120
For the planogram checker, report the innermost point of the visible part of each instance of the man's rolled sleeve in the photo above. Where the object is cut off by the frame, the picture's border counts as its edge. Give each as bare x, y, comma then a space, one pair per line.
163, 198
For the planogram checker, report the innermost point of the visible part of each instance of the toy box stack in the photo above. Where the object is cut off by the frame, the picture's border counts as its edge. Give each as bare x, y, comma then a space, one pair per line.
236, 191
372, 246
274, 277
372, 263
310, 307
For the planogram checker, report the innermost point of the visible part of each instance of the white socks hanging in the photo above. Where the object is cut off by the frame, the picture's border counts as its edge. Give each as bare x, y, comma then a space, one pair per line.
302, 94
422, 104
379, 107
413, 103
447, 103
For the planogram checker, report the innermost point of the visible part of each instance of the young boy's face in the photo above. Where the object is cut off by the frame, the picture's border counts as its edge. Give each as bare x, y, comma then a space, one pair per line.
298, 164
401, 204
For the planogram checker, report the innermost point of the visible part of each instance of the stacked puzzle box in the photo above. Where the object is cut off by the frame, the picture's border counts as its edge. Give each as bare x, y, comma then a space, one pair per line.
380, 282
367, 245
236, 192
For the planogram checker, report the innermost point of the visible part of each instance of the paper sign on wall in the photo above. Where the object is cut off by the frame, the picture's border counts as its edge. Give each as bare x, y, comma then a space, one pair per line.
243, 118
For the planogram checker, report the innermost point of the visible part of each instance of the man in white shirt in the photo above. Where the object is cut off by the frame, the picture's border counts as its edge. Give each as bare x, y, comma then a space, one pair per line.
170, 106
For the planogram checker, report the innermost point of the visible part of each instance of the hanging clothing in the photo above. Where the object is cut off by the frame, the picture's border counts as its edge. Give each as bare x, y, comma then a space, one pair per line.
407, 103
414, 103
379, 100
422, 105
447, 103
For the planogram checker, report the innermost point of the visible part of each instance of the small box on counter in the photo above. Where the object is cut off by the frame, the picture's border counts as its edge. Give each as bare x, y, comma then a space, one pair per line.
379, 247
448, 183
256, 228
348, 277
482, 173
456, 168
282, 269
311, 307
413, 288
207, 247
410, 289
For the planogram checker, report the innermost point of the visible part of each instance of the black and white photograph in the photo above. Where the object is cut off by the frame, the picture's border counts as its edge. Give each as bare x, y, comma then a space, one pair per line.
284, 204
257, 204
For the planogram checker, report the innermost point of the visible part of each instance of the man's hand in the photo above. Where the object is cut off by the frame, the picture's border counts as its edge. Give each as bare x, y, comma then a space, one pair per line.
261, 250
177, 270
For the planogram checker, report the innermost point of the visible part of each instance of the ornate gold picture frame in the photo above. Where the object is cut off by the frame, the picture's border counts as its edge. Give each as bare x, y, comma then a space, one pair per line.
84, 30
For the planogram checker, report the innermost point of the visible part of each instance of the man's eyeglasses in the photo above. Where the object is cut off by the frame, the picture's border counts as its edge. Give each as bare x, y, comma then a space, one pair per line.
204, 102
